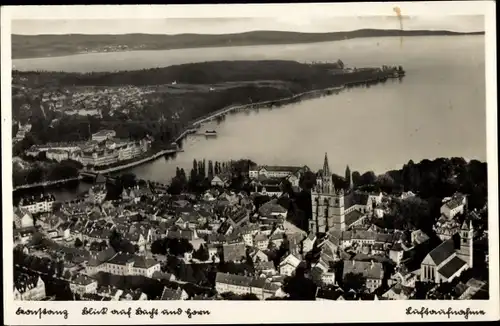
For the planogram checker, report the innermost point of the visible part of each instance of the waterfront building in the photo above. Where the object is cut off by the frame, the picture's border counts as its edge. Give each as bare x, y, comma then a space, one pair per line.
99, 157
57, 155
103, 135
276, 171
34, 205
62, 146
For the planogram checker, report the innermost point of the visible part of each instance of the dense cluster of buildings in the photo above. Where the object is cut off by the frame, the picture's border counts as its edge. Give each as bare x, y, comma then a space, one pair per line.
102, 150
343, 244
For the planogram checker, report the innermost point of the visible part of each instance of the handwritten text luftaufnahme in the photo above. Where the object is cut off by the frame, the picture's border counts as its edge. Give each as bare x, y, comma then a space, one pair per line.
424, 311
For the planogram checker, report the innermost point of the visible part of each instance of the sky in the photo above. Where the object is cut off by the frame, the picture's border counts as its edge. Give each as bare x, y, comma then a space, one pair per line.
224, 25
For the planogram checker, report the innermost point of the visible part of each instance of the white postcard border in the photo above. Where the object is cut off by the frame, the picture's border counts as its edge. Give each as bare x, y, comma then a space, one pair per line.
251, 311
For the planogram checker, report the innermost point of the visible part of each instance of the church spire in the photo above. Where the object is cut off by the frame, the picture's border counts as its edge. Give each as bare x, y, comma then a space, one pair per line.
326, 167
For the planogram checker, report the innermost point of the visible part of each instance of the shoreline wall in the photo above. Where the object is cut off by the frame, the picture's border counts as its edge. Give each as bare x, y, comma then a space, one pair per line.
45, 183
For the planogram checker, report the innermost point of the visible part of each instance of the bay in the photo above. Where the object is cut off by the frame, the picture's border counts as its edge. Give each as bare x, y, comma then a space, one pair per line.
437, 110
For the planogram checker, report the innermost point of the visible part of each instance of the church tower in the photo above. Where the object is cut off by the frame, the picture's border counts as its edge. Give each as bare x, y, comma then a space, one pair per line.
466, 242
327, 206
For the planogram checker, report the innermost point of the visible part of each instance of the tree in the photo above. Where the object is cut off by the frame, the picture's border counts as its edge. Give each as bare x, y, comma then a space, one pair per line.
35, 175
340, 64
368, 178
356, 178
249, 296
299, 287
210, 170
119, 244
37, 239
67, 274
386, 183
348, 177
128, 180
201, 253
354, 281
307, 180
60, 268
78, 243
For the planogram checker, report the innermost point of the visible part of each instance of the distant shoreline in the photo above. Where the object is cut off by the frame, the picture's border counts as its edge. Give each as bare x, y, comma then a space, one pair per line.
49, 46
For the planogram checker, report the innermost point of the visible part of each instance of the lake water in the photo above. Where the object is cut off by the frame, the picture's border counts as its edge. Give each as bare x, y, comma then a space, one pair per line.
437, 110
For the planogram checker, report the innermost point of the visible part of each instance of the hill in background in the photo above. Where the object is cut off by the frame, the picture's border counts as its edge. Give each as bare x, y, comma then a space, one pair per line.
32, 46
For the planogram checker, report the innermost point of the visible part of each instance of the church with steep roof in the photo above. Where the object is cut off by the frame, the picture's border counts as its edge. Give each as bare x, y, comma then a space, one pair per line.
338, 209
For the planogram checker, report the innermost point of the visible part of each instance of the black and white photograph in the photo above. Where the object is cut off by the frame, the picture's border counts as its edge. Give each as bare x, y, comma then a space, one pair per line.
250, 156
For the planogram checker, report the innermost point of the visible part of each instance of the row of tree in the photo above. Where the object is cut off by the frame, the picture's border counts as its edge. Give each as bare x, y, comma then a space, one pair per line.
42, 172
202, 173
175, 247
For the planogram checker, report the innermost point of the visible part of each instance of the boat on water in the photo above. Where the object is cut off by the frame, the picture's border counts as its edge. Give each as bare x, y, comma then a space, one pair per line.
210, 133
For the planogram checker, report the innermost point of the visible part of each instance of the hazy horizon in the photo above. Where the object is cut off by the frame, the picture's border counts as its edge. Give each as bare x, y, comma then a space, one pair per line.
217, 26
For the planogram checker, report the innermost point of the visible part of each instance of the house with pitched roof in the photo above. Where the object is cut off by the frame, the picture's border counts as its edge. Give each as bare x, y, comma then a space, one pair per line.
289, 264
404, 276
237, 216
265, 267
454, 205
221, 180
475, 289
329, 295
133, 295
22, 218
28, 287
372, 271
127, 264
273, 209
308, 243
261, 241
237, 284
399, 292
171, 294
418, 237
396, 253
258, 255
81, 284
37, 204
235, 252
